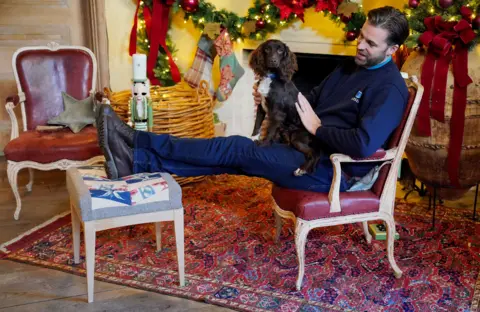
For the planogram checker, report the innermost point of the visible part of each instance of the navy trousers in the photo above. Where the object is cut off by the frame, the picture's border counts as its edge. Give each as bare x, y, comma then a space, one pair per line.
189, 157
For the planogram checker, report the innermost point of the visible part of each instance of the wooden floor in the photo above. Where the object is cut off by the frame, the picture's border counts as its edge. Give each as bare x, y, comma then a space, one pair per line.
31, 288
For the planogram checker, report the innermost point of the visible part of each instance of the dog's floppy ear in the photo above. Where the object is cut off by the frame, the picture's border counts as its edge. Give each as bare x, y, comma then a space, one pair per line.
289, 63
257, 61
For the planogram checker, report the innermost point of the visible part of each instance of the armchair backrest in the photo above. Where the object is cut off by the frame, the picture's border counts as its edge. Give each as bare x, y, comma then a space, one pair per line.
42, 73
400, 136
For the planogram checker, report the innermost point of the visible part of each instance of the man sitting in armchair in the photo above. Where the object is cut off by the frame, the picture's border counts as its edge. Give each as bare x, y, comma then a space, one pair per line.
354, 111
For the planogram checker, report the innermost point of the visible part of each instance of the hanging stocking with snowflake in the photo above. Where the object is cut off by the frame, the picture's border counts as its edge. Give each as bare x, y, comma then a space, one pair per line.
230, 69
201, 68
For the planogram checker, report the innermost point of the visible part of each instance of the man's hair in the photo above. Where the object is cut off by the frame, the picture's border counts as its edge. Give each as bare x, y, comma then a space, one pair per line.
391, 20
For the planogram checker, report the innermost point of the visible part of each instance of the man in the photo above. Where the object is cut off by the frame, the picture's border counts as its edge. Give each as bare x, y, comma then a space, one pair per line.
353, 111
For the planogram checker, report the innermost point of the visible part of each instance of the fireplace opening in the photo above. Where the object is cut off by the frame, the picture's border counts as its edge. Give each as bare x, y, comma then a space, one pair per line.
314, 68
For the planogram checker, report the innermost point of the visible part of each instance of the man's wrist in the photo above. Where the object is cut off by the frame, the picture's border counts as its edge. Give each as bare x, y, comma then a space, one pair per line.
316, 127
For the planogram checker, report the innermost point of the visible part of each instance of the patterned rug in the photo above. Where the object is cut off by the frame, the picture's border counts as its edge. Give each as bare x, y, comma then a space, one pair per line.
232, 260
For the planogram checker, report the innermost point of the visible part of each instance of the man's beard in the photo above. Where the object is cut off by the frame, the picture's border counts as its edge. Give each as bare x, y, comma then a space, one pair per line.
370, 61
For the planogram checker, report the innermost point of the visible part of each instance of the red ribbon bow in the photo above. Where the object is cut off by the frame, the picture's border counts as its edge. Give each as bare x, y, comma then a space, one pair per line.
158, 21
446, 42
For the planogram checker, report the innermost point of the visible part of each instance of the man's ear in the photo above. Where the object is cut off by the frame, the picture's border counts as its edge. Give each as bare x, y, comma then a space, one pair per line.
391, 50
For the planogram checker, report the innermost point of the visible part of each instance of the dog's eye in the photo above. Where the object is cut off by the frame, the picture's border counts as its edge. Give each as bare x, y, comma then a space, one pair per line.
135, 93
280, 51
267, 49
144, 93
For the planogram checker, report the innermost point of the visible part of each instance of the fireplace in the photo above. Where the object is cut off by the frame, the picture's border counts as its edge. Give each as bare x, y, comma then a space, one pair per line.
317, 57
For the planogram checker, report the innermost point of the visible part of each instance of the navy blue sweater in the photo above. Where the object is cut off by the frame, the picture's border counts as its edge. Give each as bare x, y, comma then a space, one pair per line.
359, 108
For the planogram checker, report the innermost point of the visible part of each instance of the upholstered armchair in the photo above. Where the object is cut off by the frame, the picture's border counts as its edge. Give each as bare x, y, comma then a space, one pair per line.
42, 74
311, 210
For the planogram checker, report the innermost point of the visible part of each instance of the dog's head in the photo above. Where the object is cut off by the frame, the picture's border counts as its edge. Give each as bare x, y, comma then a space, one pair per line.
273, 56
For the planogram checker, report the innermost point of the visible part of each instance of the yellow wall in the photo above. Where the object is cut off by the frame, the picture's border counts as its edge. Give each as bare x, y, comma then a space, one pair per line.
120, 18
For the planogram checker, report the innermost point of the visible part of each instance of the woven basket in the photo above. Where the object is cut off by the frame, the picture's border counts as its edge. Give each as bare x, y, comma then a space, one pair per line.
428, 155
179, 110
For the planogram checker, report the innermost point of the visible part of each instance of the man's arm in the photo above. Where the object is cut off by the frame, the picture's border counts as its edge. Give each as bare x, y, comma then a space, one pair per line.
375, 127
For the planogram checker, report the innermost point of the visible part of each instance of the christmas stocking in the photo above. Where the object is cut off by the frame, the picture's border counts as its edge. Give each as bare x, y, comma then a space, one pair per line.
202, 64
230, 69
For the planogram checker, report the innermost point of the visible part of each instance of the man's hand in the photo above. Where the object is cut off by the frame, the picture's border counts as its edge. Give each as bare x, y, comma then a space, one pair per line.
309, 119
257, 97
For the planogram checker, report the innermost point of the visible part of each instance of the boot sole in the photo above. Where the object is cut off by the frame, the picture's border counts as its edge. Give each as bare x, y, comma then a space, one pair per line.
109, 164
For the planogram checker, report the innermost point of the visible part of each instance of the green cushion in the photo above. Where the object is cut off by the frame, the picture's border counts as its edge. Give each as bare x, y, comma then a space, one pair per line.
77, 114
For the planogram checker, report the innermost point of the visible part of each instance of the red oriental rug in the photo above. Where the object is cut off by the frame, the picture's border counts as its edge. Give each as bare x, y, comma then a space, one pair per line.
232, 260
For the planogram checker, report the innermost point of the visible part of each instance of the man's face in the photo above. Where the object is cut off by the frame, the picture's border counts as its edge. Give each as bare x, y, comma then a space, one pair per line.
372, 47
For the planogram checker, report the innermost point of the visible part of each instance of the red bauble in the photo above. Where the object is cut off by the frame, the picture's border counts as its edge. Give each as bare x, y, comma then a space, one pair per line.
466, 12
345, 18
476, 22
351, 35
413, 3
260, 24
445, 3
190, 6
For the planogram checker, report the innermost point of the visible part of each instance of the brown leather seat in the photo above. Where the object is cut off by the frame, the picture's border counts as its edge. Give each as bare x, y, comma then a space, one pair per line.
47, 147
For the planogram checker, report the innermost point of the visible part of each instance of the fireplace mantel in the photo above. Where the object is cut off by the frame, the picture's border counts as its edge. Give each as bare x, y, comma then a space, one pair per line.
307, 40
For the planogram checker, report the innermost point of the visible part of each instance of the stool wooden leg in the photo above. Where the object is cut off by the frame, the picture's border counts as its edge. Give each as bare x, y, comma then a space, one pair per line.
89, 231
179, 239
158, 235
75, 235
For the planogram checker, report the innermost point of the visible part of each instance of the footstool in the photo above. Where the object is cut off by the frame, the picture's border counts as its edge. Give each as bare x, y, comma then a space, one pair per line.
98, 204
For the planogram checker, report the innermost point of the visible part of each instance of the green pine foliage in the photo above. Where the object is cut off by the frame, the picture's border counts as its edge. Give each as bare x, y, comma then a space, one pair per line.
162, 68
429, 8
208, 13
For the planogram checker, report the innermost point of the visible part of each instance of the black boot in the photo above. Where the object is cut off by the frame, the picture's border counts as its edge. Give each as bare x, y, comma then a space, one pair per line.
124, 130
118, 154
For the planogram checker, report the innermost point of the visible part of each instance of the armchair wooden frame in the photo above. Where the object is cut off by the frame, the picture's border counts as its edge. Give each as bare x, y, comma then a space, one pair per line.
387, 198
12, 102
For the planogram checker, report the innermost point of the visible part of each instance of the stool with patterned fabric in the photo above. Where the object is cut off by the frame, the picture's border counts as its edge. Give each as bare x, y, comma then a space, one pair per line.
100, 204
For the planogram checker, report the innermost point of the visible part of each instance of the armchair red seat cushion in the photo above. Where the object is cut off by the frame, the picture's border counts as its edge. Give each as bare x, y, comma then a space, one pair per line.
313, 205
47, 147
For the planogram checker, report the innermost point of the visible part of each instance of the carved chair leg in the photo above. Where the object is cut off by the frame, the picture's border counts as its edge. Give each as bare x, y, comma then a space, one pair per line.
390, 246
278, 226
12, 172
30, 182
368, 236
301, 232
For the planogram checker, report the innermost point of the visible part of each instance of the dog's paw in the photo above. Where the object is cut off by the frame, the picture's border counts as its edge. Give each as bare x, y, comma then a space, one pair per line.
299, 172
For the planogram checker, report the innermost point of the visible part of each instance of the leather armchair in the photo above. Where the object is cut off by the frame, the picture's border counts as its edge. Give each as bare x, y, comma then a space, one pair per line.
42, 73
310, 210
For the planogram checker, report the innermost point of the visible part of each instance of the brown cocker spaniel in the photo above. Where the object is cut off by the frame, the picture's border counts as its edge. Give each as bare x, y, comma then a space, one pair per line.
274, 65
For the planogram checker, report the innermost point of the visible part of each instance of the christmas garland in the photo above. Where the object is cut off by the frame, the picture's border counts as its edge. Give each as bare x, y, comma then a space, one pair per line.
264, 18
449, 10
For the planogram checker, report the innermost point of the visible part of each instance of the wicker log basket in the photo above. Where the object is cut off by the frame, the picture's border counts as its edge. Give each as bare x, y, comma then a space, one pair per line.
179, 110
428, 155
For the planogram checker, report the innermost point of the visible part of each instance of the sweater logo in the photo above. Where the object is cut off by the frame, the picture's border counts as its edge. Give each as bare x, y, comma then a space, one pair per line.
357, 97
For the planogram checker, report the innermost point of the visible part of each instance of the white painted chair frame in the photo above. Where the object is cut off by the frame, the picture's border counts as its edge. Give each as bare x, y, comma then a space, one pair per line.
14, 167
387, 199
91, 227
